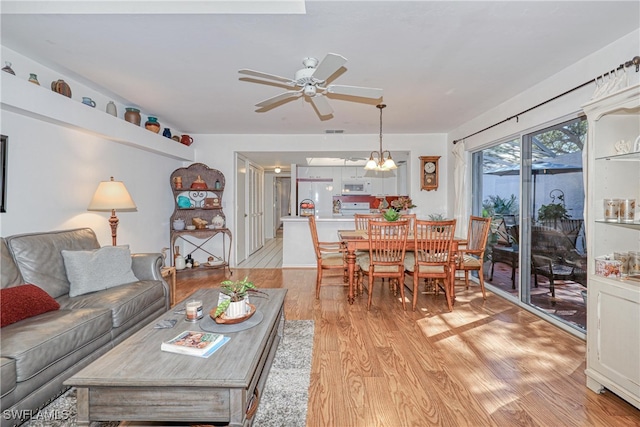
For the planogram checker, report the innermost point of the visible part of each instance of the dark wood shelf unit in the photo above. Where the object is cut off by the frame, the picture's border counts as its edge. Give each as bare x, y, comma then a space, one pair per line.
213, 178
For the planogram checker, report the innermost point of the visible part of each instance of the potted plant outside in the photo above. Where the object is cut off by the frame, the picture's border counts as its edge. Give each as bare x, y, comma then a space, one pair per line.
552, 213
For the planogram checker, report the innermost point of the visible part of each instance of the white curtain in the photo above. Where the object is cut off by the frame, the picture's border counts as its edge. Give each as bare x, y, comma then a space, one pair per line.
459, 175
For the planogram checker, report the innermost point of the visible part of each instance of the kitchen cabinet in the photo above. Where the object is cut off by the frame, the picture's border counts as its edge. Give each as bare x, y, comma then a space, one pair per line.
613, 304
315, 172
336, 173
384, 184
389, 184
352, 172
377, 187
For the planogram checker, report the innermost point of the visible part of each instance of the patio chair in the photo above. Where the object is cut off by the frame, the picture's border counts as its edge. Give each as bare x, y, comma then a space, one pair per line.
554, 256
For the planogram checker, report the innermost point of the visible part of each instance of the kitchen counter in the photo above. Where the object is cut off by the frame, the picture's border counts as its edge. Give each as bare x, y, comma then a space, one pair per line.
297, 246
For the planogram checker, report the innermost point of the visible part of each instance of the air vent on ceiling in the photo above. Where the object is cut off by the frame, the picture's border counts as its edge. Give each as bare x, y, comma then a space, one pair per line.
334, 131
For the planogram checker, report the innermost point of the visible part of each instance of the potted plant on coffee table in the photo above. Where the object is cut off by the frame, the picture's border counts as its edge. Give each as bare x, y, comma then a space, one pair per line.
235, 306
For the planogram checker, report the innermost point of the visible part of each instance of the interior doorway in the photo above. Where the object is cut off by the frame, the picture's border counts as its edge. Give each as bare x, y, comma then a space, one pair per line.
281, 201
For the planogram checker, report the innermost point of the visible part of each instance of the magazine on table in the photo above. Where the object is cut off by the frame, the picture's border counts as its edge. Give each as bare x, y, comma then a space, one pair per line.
195, 343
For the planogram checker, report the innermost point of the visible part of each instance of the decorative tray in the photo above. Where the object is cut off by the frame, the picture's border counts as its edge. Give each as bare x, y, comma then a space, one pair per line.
213, 264
222, 319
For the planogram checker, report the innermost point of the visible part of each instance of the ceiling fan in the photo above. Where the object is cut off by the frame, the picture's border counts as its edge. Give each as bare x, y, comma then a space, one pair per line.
311, 82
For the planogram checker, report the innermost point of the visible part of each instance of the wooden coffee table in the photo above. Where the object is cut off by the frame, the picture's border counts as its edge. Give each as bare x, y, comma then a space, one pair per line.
136, 381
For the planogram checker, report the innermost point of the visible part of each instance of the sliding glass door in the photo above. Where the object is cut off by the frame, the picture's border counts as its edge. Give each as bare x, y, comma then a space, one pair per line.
532, 188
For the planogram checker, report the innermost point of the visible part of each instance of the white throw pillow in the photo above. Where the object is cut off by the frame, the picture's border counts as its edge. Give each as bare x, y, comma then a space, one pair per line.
99, 269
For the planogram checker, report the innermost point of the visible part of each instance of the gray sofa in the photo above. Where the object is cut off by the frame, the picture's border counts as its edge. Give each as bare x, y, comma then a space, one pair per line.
39, 353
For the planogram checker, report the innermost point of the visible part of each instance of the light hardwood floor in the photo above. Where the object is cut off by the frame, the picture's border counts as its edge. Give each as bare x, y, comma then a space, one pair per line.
268, 256
488, 363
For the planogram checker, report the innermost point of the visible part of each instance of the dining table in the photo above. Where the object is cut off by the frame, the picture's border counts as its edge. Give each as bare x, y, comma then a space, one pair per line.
358, 240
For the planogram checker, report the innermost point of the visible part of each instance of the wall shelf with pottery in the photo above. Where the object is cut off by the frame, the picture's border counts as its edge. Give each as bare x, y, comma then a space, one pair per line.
41, 103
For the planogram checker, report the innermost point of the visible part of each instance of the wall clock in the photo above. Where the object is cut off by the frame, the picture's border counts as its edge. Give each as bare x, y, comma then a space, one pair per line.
429, 170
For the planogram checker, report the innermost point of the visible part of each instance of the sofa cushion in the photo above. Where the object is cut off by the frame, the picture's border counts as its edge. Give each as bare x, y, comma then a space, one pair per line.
125, 302
9, 273
39, 257
24, 301
97, 270
7, 376
40, 341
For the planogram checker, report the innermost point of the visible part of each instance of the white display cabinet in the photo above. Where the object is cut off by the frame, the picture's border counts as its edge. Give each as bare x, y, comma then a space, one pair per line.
613, 304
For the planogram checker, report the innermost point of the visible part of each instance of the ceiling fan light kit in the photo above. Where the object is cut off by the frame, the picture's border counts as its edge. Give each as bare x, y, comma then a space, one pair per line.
380, 160
311, 82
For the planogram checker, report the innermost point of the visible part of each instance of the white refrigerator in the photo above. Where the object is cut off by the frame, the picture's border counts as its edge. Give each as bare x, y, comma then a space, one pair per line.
320, 191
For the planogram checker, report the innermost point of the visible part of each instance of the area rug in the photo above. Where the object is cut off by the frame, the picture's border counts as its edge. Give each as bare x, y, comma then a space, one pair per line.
284, 398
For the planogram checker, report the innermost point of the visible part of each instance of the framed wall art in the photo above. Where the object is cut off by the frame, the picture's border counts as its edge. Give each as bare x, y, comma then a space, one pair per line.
3, 173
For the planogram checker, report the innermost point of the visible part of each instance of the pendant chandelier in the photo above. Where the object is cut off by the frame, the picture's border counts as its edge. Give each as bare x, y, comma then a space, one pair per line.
380, 160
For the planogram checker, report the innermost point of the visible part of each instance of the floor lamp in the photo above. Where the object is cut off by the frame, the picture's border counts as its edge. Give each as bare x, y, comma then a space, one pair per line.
109, 196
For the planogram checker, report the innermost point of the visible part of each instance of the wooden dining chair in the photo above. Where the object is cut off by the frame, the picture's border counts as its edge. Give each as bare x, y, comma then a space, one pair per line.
387, 245
411, 218
432, 257
471, 251
329, 255
362, 220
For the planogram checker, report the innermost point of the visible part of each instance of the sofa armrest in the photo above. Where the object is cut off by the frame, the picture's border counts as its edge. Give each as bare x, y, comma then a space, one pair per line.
147, 266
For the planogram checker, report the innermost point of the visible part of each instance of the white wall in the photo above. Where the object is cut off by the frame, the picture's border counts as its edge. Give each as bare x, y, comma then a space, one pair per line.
53, 172
582, 71
590, 67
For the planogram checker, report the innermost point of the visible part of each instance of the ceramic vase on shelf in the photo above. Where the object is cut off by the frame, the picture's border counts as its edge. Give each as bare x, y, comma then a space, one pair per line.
34, 79
7, 68
166, 133
111, 109
88, 101
152, 124
180, 263
132, 115
61, 87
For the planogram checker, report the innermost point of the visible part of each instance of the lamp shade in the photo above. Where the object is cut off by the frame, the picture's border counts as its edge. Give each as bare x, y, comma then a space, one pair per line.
111, 195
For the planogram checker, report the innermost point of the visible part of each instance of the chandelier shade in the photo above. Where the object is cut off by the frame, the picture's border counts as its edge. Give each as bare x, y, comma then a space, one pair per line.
380, 160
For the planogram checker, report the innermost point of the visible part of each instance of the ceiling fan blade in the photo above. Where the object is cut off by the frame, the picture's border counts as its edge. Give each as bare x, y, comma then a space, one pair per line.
322, 105
329, 65
364, 92
278, 98
267, 76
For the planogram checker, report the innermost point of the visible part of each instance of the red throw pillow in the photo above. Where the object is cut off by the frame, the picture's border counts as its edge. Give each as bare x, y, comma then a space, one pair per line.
24, 301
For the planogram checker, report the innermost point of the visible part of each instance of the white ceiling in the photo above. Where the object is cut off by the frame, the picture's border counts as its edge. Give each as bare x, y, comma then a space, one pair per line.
440, 63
